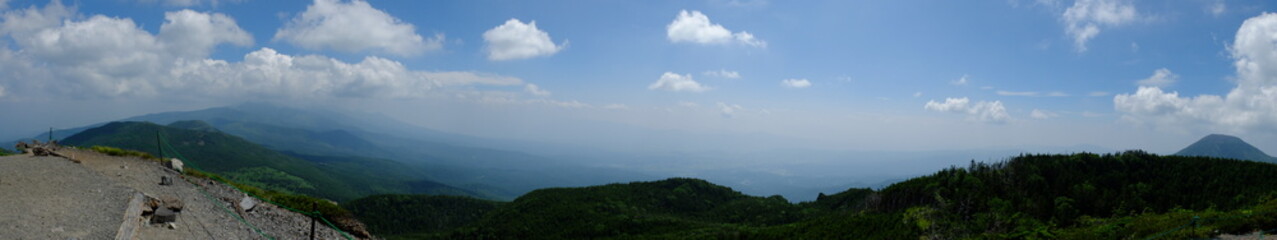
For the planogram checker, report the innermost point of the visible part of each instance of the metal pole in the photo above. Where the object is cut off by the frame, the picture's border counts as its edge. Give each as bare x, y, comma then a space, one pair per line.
312, 220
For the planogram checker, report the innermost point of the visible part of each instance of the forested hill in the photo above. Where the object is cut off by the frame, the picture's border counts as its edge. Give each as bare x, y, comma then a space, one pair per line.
1225, 146
1081, 196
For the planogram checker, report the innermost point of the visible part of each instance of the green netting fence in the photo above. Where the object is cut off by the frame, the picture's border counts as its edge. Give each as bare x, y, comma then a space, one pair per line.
189, 164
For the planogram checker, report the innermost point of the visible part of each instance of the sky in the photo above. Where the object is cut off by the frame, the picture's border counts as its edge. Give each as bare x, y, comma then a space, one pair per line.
696, 75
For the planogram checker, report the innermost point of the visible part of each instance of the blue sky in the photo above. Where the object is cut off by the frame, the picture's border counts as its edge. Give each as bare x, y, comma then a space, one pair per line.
713, 74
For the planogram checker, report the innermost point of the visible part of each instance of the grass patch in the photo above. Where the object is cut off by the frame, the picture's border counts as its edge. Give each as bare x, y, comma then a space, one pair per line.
125, 153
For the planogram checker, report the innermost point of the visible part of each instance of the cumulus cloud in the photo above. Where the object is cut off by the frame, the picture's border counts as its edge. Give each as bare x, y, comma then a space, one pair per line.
1161, 78
1084, 19
695, 27
354, 27
105, 57
1250, 106
795, 83
722, 73
194, 34
677, 83
534, 90
517, 40
983, 111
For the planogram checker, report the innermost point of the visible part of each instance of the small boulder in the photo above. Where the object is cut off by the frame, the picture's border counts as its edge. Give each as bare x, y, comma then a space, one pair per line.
247, 203
171, 203
165, 180
175, 164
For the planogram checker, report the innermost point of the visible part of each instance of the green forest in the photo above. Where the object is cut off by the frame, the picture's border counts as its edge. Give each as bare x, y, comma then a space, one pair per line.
1127, 195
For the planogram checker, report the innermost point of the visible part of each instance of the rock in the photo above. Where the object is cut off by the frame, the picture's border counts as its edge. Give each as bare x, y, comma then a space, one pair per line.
175, 164
164, 180
164, 215
247, 203
171, 225
171, 203
151, 205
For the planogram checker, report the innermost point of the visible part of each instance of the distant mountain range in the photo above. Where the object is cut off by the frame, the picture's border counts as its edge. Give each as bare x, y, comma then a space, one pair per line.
1225, 146
208, 149
441, 158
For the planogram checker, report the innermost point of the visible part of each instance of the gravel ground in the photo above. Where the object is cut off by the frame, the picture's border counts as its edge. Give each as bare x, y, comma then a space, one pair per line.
52, 198
209, 204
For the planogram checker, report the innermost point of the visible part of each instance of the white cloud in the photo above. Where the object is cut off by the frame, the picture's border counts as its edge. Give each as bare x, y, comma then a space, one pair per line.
917, 94
108, 56
26, 22
1161, 78
722, 73
795, 83
105, 57
267, 72
1057, 94
688, 104
1042, 114
729, 110
960, 81
1019, 94
354, 27
534, 90
4, 4
1084, 19
983, 111
517, 40
695, 27
1250, 106
677, 83
194, 34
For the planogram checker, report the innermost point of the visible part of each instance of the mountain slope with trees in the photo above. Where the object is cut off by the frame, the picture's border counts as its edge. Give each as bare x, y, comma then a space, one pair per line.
1128, 195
